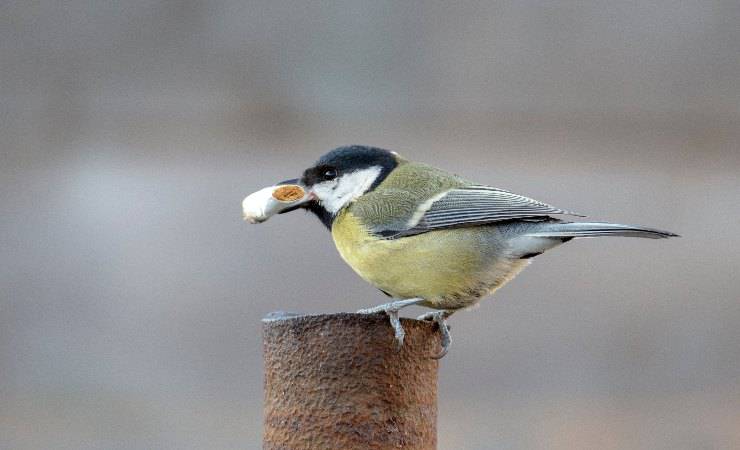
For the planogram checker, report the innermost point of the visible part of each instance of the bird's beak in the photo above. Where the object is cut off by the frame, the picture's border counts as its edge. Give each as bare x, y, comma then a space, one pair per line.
285, 196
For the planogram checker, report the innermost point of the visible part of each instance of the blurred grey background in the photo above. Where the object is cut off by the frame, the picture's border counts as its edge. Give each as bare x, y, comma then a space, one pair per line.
131, 290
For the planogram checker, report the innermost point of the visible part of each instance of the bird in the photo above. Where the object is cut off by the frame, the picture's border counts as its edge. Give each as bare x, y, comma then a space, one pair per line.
424, 236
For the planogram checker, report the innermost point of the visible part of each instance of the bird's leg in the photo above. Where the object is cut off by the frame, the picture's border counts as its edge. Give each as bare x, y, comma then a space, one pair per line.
441, 318
392, 309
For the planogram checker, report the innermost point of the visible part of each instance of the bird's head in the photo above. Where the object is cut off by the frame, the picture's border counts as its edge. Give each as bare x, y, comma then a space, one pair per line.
332, 183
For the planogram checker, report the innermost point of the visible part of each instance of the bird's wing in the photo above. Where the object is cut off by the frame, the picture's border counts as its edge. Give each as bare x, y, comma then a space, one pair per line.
416, 198
466, 206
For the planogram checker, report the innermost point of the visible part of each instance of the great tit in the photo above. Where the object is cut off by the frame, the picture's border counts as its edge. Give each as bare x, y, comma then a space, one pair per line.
424, 236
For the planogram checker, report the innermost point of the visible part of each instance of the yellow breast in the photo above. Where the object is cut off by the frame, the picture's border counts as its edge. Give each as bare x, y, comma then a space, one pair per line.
448, 265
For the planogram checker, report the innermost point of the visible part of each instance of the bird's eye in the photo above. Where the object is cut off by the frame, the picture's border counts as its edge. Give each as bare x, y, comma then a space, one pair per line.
329, 174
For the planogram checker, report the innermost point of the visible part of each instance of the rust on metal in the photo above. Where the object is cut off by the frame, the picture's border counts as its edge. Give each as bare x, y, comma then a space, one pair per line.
336, 381
288, 193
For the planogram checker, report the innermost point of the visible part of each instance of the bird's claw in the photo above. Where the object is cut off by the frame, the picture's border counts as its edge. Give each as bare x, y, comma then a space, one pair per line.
440, 317
398, 330
392, 309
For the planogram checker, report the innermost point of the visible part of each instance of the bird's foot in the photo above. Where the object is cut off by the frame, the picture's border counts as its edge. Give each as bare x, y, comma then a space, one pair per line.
392, 309
440, 317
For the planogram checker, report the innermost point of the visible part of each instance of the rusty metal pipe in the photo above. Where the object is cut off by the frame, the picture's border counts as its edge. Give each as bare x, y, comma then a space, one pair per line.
336, 381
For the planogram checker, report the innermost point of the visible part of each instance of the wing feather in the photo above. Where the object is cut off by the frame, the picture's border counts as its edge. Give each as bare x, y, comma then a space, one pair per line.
473, 205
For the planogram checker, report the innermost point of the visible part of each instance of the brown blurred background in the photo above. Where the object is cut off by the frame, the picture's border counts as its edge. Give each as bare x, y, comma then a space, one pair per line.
131, 290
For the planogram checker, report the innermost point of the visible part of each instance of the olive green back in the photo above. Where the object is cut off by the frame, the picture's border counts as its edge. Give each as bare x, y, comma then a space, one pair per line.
396, 199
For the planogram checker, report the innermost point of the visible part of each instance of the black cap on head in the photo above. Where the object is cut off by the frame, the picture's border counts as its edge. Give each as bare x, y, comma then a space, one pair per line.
341, 161
350, 158
357, 157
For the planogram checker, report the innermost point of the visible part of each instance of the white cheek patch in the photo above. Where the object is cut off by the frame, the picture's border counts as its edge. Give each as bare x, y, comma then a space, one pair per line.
338, 193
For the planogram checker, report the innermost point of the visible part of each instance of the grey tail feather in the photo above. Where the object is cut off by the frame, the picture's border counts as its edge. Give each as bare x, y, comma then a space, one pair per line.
597, 229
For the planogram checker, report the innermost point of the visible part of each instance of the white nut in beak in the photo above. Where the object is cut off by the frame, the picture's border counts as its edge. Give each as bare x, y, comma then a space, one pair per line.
267, 202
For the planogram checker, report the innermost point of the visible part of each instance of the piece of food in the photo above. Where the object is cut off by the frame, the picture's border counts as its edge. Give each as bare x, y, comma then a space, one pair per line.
288, 193
265, 203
